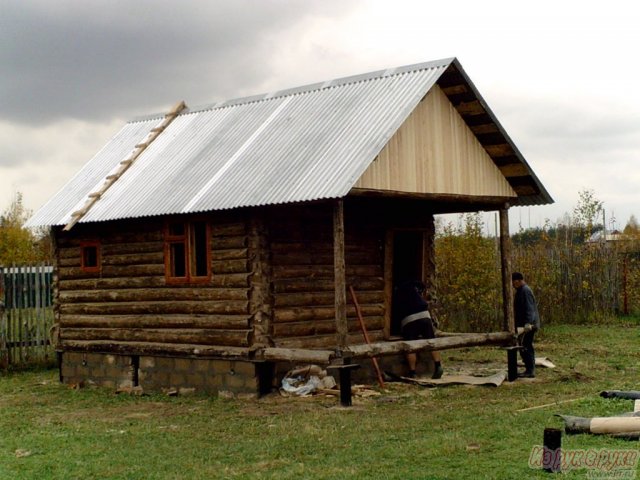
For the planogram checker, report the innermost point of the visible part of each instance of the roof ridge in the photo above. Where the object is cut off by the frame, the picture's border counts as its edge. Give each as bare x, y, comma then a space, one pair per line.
308, 88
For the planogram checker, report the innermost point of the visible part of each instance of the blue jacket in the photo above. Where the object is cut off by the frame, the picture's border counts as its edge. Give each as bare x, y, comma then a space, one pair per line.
525, 309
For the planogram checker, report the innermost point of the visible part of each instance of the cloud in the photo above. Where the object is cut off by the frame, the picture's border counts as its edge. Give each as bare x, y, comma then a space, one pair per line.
559, 79
48, 163
74, 72
98, 59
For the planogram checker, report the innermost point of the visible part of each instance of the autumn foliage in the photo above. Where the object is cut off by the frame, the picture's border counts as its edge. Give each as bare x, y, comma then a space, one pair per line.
20, 245
575, 280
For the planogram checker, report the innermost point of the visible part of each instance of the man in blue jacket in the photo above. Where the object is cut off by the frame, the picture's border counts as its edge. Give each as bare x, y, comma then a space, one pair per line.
526, 315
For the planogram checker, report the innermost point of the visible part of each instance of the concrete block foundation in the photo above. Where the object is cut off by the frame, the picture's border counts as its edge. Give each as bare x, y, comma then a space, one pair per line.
161, 374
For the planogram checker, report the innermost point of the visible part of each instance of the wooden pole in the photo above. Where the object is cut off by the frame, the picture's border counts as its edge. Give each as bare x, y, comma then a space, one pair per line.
339, 274
4, 352
366, 336
93, 197
551, 404
260, 300
505, 263
388, 282
429, 259
552, 448
625, 270
442, 343
375, 349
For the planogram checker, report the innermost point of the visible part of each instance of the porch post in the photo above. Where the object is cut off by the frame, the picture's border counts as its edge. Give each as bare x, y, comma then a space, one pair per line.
388, 282
339, 274
429, 260
505, 262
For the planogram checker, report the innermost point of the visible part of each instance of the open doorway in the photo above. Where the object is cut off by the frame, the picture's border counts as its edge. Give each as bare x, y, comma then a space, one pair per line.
408, 264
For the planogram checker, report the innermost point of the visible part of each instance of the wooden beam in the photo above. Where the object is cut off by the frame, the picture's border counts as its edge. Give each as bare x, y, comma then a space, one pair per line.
339, 274
431, 344
524, 190
434, 197
429, 256
388, 281
149, 348
500, 150
260, 299
505, 267
514, 170
93, 197
484, 128
324, 356
301, 355
470, 108
455, 89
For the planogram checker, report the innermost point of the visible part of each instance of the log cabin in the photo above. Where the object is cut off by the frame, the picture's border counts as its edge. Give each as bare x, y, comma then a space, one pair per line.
211, 248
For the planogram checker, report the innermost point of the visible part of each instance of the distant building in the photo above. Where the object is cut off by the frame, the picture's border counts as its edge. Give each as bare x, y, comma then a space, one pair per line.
602, 236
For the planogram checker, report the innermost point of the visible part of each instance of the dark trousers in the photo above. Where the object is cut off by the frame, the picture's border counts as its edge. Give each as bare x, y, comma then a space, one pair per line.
528, 353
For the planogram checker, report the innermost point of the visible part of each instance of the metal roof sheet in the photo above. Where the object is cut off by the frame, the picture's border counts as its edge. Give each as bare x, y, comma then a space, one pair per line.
296, 145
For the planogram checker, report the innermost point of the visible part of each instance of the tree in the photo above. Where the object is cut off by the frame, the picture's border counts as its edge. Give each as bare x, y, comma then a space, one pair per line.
632, 228
468, 275
586, 212
18, 244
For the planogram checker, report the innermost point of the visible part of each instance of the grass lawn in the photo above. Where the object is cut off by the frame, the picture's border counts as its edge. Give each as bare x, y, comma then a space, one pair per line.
50, 431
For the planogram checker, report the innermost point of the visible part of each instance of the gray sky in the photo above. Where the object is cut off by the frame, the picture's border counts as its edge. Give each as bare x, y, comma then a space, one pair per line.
561, 76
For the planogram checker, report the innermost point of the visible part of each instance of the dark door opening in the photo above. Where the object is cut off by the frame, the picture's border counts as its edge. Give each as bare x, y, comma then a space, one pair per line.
407, 264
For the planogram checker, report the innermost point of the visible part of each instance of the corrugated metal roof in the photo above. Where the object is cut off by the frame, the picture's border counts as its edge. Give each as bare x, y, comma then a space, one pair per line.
296, 145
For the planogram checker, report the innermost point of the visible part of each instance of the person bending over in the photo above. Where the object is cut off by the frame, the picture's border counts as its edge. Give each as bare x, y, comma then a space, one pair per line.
412, 311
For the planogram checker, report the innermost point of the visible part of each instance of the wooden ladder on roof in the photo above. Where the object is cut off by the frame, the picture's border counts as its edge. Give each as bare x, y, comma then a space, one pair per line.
93, 197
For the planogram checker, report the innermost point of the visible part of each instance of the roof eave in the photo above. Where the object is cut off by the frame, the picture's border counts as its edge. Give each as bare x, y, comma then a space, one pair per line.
491, 134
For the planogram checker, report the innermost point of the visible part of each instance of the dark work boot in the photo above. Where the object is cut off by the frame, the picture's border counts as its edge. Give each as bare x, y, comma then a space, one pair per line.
529, 368
529, 360
437, 372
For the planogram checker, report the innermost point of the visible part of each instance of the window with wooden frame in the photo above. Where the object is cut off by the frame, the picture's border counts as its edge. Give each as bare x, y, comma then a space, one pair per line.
186, 252
90, 257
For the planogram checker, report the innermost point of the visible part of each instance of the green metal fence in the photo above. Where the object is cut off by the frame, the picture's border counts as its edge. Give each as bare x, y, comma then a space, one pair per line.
26, 315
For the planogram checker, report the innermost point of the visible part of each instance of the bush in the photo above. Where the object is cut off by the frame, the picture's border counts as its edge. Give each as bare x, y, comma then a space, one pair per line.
468, 277
574, 281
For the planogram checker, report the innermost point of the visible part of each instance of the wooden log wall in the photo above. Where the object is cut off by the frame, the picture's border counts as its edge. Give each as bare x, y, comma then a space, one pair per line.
303, 277
128, 305
272, 282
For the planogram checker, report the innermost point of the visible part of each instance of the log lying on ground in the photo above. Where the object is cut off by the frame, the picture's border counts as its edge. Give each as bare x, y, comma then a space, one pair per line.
376, 349
627, 426
630, 395
299, 355
441, 343
440, 333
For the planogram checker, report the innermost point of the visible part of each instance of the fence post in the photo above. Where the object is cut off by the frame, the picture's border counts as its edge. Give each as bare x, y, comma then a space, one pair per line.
4, 352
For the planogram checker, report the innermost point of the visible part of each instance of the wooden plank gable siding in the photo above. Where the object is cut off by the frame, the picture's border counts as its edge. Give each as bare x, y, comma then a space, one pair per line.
303, 277
434, 151
128, 300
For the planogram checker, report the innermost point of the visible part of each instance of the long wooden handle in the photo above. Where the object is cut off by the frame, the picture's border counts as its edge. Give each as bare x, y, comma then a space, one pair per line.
366, 335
